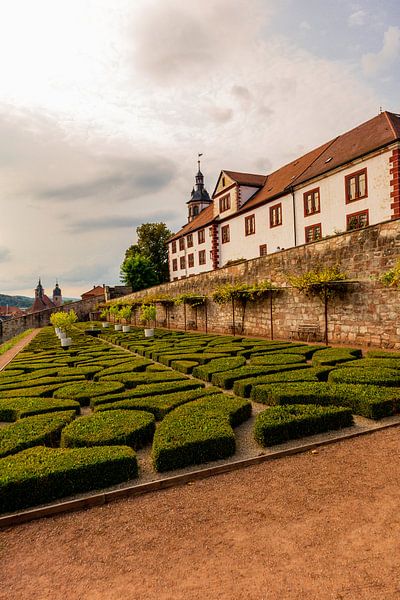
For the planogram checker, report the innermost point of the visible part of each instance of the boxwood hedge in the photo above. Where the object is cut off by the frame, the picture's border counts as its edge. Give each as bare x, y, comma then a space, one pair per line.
153, 389
218, 365
333, 356
12, 409
282, 423
110, 428
243, 387
84, 391
277, 359
365, 400
41, 474
40, 430
368, 375
376, 363
198, 432
227, 379
131, 380
184, 366
160, 405
131, 366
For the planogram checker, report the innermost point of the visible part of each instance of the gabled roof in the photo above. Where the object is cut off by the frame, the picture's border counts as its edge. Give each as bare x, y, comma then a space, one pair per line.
14, 311
205, 217
376, 133
41, 303
250, 179
97, 290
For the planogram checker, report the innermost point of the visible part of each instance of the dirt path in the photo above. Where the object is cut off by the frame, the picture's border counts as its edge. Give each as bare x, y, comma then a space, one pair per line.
316, 526
9, 355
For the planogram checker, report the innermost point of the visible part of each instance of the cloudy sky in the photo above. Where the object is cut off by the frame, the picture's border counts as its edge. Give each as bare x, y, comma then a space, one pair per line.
104, 105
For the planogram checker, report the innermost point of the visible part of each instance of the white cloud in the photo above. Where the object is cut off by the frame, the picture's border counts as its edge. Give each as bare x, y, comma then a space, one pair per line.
104, 133
389, 53
357, 18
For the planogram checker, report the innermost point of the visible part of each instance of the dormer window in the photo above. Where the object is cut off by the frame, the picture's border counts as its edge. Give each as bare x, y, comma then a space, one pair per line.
224, 203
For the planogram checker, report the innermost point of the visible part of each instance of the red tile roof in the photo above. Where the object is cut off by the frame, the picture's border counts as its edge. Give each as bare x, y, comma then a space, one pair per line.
367, 137
41, 304
250, 179
97, 290
376, 133
205, 217
13, 311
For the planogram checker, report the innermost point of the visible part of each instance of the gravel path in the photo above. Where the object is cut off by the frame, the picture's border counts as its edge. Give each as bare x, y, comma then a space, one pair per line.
316, 526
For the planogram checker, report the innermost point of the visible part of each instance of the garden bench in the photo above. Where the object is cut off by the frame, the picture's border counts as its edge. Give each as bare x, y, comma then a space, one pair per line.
306, 331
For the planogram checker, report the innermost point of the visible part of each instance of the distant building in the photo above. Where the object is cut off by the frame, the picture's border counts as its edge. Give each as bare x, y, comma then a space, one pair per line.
347, 183
9, 312
97, 291
42, 301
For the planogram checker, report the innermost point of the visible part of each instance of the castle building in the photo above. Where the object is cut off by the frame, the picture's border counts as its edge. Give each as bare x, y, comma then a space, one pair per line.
42, 301
348, 183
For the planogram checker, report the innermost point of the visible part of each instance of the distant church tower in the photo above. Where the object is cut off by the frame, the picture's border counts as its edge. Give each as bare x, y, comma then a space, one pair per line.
39, 291
57, 296
199, 198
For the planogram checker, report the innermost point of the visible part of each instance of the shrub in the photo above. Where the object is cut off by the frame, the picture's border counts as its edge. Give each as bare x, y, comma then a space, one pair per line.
382, 354
42, 381
40, 430
40, 474
154, 368
111, 428
232, 349
198, 432
282, 423
218, 365
132, 366
184, 366
160, 405
333, 356
277, 359
243, 387
365, 400
12, 409
153, 389
87, 372
167, 359
386, 363
84, 391
131, 380
369, 375
38, 391
227, 379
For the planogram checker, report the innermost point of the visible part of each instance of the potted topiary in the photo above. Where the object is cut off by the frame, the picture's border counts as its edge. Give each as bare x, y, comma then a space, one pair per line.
64, 321
125, 313
104, 315
148, 315
114, 311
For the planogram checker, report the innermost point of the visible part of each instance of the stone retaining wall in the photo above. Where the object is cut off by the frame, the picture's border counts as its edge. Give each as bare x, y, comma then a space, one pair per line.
367, 314
12, 327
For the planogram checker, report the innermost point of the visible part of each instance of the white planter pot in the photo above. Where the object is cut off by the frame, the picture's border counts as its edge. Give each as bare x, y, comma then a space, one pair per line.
149, 333
126, 328
106, 324
57, 330
66, 342
118, 327
62, 335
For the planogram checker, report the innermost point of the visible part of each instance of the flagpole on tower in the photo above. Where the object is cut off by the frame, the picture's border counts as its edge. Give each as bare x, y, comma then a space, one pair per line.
198, 159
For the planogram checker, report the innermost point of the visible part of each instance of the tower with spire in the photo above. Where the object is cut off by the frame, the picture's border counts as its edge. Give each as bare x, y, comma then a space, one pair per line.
57, 295
200, 198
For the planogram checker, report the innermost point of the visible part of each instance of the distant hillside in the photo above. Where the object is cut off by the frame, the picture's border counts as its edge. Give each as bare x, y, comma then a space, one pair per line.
23, 301
20, 301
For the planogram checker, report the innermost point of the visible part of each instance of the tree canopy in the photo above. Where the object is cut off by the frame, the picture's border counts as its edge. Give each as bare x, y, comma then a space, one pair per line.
152, 244
138, 271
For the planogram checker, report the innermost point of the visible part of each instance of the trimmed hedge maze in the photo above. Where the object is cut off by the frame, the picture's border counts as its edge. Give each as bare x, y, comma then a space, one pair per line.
73, 419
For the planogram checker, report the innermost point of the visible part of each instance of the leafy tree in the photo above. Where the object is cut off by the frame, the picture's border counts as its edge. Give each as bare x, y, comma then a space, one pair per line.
152, 244
138, 271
